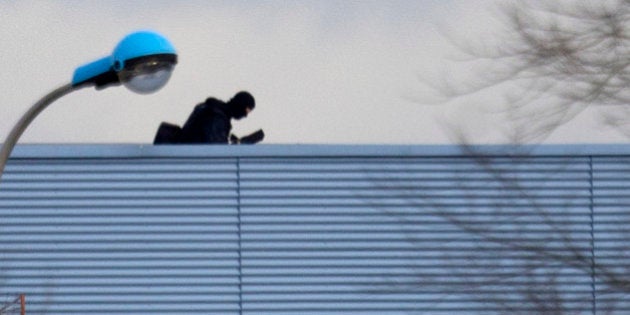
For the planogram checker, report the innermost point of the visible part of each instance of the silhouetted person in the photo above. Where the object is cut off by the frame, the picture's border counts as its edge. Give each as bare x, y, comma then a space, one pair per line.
210, 123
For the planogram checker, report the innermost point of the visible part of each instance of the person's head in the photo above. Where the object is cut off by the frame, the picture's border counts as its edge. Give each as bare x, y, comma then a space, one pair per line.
241, 104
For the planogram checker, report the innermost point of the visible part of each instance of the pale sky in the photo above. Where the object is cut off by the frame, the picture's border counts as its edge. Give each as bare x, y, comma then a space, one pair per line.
322, 72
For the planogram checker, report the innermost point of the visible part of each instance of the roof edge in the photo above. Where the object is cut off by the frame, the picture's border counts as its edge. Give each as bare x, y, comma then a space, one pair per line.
306, 150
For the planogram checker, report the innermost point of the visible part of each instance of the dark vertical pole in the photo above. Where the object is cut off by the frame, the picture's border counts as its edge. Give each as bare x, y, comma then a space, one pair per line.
22, 304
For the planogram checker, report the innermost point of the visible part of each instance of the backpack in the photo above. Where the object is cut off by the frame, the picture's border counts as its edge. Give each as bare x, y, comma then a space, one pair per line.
168, 133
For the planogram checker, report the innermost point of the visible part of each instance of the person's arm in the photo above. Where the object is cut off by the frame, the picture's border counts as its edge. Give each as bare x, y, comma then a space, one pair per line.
252, 138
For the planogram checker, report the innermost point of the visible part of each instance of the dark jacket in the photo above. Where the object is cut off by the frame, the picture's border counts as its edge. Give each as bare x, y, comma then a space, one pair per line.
208, 123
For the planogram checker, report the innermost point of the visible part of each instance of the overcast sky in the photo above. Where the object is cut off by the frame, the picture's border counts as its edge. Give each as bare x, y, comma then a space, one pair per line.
321, 71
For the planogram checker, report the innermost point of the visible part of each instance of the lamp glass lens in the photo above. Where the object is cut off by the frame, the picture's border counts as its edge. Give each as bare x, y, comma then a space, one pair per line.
147, 77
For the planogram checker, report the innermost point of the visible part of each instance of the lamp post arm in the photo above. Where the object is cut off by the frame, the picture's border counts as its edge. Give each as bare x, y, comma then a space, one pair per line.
27, 118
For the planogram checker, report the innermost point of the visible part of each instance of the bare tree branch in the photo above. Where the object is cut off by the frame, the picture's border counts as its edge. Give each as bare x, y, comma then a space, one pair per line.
556, 59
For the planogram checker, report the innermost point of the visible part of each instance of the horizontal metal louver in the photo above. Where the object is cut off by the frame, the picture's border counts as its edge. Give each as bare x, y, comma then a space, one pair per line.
315, 230
376, 235
121, 236
611, 184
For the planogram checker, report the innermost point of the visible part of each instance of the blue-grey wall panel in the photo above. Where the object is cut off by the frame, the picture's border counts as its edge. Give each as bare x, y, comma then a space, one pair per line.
611, 181
379, 235
128, 236
316, 230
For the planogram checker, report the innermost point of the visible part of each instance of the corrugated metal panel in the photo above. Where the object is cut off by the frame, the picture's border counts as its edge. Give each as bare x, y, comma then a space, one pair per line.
121, 236
313, 230
611, 180
380, 235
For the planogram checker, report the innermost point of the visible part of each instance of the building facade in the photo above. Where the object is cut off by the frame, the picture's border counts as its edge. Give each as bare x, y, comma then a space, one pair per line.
301, 229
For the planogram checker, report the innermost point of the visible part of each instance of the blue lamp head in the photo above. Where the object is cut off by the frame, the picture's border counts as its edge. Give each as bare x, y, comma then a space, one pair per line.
143, 61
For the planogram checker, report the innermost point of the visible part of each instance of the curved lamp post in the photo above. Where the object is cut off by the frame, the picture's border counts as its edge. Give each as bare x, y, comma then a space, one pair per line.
143, 62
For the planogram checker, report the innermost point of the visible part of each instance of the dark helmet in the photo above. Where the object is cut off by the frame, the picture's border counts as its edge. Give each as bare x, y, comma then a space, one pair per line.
239, 104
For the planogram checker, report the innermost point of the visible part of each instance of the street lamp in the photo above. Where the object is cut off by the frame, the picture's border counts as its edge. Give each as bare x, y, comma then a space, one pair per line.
143, 62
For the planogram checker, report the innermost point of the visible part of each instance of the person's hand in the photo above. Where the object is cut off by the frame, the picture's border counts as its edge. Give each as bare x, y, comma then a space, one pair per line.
234, 139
